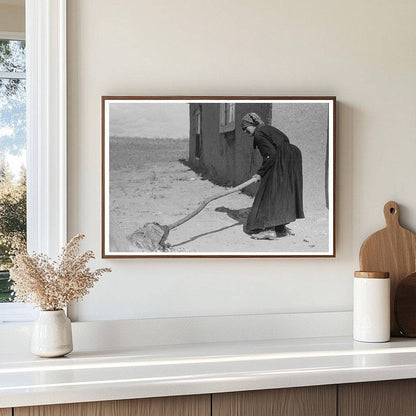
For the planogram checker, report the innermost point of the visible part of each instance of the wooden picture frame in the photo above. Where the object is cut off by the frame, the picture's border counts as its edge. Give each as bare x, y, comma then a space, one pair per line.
162, 156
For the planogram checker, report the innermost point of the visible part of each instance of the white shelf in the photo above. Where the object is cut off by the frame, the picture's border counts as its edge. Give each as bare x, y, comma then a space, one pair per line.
151, 371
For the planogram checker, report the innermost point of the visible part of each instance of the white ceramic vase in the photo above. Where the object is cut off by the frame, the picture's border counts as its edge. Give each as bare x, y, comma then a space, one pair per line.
52, 334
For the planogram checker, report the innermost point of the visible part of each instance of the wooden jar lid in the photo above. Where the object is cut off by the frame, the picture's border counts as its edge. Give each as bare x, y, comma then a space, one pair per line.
372, 275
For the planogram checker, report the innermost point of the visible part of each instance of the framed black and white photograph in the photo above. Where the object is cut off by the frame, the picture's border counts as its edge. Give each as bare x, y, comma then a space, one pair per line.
218, 176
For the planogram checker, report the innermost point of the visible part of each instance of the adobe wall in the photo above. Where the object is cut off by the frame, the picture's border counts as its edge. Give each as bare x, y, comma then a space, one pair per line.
226, 158
306, 125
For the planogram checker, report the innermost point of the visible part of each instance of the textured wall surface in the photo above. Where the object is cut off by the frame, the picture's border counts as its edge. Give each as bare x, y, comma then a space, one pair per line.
306, 125
12, 18
361, 52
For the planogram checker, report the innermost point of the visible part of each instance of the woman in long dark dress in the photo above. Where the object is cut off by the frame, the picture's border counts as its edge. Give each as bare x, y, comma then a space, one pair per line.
279, 199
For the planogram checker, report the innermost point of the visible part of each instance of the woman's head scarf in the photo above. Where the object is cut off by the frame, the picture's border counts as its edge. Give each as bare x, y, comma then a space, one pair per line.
251, 119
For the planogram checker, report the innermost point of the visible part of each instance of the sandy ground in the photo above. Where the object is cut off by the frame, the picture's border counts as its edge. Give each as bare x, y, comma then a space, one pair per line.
154, 186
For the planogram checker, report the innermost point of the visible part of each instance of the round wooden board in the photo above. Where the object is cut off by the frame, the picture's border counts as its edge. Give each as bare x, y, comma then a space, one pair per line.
405, 306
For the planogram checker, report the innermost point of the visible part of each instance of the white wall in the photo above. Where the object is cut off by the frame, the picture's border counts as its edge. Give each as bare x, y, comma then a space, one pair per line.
361, 51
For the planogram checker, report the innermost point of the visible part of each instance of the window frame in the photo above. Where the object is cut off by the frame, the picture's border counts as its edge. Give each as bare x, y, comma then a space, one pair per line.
46, 138
198, 139
12, 35
227, 125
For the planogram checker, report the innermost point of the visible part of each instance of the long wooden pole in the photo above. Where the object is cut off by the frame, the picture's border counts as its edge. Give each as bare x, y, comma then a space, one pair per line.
206, 201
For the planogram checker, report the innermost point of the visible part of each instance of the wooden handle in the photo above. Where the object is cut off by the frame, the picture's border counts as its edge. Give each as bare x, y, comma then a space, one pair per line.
206, 201
391, 214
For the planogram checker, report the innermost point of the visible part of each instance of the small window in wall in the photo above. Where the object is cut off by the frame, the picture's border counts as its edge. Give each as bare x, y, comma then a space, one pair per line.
12, 160
198, 138
227, 117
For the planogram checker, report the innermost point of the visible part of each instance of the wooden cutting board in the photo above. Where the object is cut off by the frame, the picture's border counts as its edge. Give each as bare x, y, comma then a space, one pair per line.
393, 250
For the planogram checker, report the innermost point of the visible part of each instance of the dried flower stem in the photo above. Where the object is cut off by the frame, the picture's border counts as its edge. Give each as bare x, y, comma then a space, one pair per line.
53, 285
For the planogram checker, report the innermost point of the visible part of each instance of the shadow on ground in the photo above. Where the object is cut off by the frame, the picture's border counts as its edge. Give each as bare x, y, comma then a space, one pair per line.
238, 215
204, 234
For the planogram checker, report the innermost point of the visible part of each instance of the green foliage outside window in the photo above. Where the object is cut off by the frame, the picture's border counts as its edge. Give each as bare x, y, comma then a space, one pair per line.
12, 145
12, 223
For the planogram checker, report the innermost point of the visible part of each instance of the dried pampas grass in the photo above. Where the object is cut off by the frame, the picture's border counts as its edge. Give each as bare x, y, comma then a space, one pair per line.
53, 285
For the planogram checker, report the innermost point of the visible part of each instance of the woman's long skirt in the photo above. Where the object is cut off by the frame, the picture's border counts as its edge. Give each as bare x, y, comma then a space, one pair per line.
279, 199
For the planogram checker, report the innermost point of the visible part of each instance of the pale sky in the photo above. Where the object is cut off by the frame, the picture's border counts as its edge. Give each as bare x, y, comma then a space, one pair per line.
16, 162
149, 120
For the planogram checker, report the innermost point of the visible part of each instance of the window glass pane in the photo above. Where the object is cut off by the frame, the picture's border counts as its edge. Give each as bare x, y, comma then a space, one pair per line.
222, 115
198, 123
12, 56
12, 117
232, 113
12, 171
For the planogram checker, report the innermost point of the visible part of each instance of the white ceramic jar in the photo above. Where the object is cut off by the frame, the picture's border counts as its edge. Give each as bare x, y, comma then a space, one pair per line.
371, 313
52, 334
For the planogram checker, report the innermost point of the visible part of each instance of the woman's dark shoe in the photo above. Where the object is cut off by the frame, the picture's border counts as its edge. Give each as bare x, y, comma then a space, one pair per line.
281, 231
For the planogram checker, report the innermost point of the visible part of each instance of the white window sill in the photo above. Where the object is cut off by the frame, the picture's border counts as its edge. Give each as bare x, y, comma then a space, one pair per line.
16, 313
227, 128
